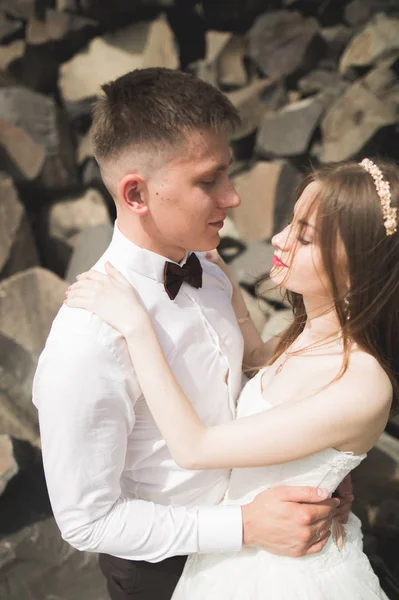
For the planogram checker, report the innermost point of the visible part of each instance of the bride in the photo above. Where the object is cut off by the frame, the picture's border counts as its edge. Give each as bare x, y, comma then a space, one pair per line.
322, 397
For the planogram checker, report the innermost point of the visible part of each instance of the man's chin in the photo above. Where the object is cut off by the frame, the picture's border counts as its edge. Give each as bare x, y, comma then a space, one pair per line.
206, 245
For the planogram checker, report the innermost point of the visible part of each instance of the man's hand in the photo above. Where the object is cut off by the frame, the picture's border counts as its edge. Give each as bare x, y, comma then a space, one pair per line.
289, 521
345, 494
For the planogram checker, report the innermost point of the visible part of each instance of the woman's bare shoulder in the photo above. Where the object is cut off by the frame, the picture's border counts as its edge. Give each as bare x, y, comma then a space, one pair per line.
372, 380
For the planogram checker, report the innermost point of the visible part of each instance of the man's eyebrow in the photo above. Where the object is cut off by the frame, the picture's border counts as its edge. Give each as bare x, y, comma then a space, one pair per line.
218, 167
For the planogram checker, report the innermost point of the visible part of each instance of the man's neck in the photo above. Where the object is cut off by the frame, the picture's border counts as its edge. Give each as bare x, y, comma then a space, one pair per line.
143, 240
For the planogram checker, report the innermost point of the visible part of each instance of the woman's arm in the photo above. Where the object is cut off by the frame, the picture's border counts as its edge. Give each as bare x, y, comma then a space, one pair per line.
356, 404
342, 412
256, 352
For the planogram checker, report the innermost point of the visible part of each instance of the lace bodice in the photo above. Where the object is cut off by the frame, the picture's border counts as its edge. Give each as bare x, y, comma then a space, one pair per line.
325, 469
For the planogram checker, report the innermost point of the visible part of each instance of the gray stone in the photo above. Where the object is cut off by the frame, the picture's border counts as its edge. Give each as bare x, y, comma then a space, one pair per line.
207, 68
37, 68
141, 45
15, 425
377, 40
216, 42
387, 518
18, 416
79, 115
91, 174
11, 53
277, 324
359, 12
288, 132
85, 148
29, 302
67, 33
40, 121
9, 28
283, 42
383, 81
231, 243
267, 197
17, 245
230, 63
21, 156
8, 464
91, 244
231, 15
36, 564
207, 71
70, 217
336, 39
251, 106
352, 121
19, 9
253, 263
320, 80
66, 221
376, 481
393, 426
6, 80
110, 14
229, 229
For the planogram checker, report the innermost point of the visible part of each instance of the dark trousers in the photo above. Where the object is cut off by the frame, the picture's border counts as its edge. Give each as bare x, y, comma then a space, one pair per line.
141, 580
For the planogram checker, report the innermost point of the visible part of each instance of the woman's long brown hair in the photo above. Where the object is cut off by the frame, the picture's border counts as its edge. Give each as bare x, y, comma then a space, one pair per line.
348, 208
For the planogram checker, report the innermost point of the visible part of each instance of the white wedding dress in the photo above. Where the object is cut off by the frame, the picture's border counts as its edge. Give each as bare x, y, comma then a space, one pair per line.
254, 574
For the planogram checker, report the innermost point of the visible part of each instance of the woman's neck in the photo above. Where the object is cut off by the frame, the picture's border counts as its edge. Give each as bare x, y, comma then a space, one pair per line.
322, 321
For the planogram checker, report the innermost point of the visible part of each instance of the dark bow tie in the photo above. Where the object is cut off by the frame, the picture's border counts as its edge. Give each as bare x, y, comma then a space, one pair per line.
174, 275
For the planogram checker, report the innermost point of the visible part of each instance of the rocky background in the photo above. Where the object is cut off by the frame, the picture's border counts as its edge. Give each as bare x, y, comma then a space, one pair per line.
313, 81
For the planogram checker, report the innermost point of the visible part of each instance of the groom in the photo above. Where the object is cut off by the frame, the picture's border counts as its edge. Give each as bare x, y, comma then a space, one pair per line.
161, 140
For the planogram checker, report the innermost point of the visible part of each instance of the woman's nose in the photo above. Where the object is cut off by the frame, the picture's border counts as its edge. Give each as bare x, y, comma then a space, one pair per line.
280, 240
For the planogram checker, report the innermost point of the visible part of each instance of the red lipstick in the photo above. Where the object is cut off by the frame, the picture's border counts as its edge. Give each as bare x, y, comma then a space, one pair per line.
277, 262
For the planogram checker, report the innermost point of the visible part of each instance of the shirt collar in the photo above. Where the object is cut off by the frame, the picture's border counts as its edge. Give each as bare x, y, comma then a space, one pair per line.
138, 259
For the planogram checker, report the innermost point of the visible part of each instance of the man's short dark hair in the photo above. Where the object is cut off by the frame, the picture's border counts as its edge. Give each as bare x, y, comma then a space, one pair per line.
156, 107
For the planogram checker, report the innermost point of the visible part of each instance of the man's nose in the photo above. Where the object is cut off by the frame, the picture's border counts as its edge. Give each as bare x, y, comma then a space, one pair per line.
229, 197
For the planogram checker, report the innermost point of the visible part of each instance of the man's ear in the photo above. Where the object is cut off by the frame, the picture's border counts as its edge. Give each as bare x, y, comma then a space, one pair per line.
132, 191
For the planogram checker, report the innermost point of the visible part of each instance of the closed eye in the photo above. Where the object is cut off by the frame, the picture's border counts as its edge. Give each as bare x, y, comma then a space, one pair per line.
211, 180
302, 241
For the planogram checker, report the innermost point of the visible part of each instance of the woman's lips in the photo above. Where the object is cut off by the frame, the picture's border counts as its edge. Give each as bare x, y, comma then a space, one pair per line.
277, 262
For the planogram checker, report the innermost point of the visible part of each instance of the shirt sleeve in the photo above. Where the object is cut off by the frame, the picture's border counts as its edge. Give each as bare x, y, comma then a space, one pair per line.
85, 418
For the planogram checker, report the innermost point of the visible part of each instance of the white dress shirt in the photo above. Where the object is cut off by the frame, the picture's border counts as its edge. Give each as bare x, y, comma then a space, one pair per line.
113, 485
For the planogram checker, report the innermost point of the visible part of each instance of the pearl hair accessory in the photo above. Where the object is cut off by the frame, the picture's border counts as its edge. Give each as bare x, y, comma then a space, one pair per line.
390, 215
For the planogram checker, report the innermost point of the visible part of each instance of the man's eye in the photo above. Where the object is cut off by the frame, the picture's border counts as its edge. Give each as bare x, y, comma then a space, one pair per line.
208, 182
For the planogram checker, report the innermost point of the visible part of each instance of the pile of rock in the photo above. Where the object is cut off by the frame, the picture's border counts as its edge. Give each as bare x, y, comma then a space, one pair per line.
313, 82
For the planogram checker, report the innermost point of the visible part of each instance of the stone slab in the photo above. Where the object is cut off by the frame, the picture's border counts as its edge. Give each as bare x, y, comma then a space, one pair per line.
352, 121
267, 192
140, 45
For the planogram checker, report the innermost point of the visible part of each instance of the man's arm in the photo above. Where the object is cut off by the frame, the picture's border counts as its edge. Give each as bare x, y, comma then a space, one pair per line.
85, 418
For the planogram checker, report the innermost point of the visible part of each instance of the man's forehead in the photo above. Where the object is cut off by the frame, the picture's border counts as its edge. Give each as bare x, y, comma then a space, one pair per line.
204, 148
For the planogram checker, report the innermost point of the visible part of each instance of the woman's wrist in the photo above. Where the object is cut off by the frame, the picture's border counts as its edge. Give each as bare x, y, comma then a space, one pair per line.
244, 318
138, 325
